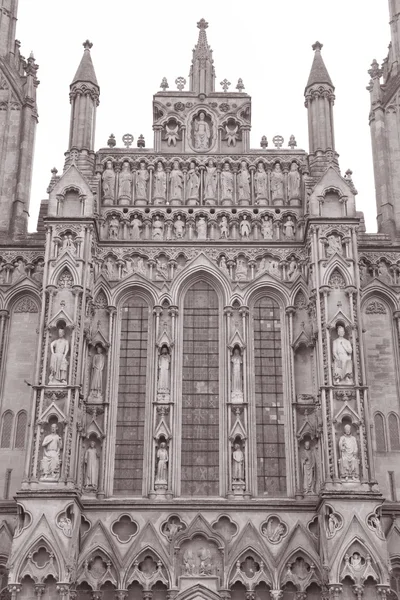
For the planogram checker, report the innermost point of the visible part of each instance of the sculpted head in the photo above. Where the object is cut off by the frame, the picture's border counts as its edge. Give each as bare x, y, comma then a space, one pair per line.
92, 444
210, 163
307, 444
202, 116
99, 350
61, 333
125, 166
340, 331
142, 165
176, 165
347, 429
192, 165
243, 164
164, 350
261, 167
163, 445
277, 168
159, 166
226, 166
294, 167
109, 164
54, 428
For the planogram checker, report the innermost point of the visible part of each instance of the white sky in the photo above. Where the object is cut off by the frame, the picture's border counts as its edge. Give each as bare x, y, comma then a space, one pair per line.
266, 43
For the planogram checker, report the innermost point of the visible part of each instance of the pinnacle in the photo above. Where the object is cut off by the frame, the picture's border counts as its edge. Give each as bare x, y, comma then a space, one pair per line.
85, 72
87, 45
319, 72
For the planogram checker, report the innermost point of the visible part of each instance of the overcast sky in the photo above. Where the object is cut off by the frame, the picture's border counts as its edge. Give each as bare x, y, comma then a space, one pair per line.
267, 44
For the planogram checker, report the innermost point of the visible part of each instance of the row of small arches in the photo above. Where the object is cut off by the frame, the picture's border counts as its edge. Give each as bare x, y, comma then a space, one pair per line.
387, 433
13, 430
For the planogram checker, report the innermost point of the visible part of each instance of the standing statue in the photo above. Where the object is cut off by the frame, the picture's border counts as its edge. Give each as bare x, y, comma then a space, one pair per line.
68, 244
162, 464
224, 228
227, 184
96, 384
51, 461
160, 183
193, 183
113, 228
237, 464
108, 178
189, 562
223, 266
342, 359
288, 229
245, 228
292, 271
277, 180
205, 567
142, 177
244, 183
241, 269
125, 183
348, 450
92, 457
176, 183
266, 228
158, 228
261, 184
179, 227
164, 361
294, 182
210, 185
237, 382
202, 133
19, 270
201, 227
307, 461
334, 245
58, 361
136, 227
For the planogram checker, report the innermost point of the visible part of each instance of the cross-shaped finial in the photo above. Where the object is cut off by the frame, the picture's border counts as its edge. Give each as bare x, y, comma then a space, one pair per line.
87, 45
164, 84
278, 141
292, 142
127, 138
317, 46
225, 84
180, 83
202, 24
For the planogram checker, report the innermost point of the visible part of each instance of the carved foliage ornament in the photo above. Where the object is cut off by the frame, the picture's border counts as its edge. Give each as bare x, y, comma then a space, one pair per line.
375, 308
26, 305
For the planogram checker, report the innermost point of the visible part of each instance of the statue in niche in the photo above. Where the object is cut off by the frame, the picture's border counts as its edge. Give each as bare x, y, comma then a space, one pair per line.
292, 271
274, 530
108, 178
294, 182
274, 269
204, 555
334, 245
223, 266
224, 228
201, 228
245, 228
263, 266
237, 464
232, 135
19, 270
202, 133
113, 228
227, 183
244, 182
164, 361
266, 228
375, 524
68, 244
210, 185
193, 183
342, 359
51, 461
162, 464
58, 362
37, 274
171, 134
98, 363
307, 461
237, 380
92, 459
161, 270
128, 268
179, 227
125, 182
277, 183
384, 273
160, 183
241, 269
176, 182
189, 562
108, 269
348, 461
173, 527
158, 228
289, 228
142, 178
334, 523
136, 227
261, 183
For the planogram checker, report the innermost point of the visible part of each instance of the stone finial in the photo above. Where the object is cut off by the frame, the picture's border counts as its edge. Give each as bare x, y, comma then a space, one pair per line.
202, 24
140, 141
348, 176
278, 141
264, 142
164, 84
225, 84
87, 45
180, 83
375, 72
53, 180
317, 46
127, 138
240, 85
111, 141
292, 142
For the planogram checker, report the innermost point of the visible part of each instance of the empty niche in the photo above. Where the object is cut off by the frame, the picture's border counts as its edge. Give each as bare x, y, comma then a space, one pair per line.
225, 527
124, 529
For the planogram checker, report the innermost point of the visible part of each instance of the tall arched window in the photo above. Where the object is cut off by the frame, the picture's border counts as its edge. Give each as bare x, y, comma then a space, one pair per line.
20, 430
6, 429
200, 392
394, 436
380, 433
270, 421
128, 473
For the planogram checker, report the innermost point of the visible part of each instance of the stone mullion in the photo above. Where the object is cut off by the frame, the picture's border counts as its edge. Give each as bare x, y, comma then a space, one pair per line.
110, 408
4, 315
290, 311
227, 466
157, 312
151, 374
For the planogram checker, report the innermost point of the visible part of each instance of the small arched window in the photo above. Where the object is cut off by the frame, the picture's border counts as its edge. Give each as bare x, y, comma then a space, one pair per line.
380, 437
20, 430
394, 435
6, 429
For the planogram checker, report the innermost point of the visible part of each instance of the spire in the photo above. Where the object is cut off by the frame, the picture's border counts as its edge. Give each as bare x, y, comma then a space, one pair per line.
202, 74
85, 72
318, 73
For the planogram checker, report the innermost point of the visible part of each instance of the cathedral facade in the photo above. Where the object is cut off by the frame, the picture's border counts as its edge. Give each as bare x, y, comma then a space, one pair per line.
199, 350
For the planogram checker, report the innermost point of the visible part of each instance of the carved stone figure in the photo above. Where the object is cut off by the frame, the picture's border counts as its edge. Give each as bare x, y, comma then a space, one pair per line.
160, 184
266, 228
113, 228
227, 185
204, 555
292, 270
223, 266
202, 133
342, 359
245, 228
19, 271
334, 523
193, 183
108, 269
189, 562
51, 461
37, 274
164, 361
237, 381
274, 530
374, 523
173, 527
288, 229
161, 270
162, 464
65, 524
244, 183
334, 245
294, 182
68, 244
58, 362
277, 184
92, 458
210, 183
307, 461
179, 227
224, 228
128, 268
201, 228
176, 184
241, 269
171, 134
142, 178
348, 461
158, 228
141, 267
384, 273
108, 178
98, 363
125, 184
232, 135
237, 464
136, 227
261, 184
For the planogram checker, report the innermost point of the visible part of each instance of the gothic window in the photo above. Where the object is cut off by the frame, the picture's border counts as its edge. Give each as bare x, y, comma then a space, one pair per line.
6, 429
380, 433
394, 436
270, 425
20, 430
200, 392
131, 397
395, 583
